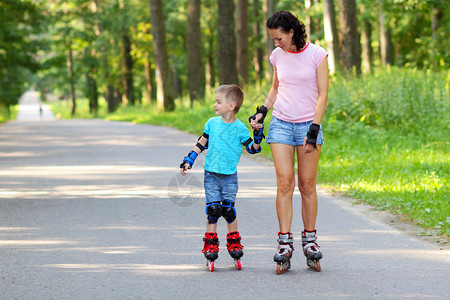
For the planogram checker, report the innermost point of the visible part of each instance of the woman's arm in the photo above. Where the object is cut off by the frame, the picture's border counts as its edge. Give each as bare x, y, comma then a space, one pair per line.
322, 86
270, 99
272, 95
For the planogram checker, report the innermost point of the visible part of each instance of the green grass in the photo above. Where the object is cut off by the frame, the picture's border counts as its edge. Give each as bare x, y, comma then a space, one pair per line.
63, 109
387, 139
6, 116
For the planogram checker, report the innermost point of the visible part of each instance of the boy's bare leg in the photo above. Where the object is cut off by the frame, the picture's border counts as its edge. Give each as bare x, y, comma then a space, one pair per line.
233, 226
211, 227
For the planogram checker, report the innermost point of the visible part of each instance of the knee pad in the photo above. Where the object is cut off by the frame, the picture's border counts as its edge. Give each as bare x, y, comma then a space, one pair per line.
228, 211
213, 211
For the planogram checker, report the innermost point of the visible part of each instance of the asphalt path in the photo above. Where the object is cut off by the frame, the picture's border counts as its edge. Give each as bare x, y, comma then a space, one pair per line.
91, 209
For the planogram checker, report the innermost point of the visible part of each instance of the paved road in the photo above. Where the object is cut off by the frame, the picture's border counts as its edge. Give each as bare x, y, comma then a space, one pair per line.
92, 209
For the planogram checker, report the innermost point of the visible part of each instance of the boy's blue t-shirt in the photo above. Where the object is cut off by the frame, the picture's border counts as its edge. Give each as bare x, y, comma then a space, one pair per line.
224, 145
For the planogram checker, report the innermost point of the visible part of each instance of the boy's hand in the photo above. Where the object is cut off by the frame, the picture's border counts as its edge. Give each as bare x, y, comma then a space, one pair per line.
184, 168
188, 162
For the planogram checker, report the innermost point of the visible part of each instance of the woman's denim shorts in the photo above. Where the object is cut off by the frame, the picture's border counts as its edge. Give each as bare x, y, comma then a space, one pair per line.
220, 187
293, 134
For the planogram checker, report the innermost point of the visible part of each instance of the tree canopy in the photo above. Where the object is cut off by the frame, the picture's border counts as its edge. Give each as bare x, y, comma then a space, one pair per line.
112, 48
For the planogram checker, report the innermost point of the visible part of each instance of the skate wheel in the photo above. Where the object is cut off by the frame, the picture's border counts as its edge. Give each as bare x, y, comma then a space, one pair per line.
211, 266
283, 267
318, 268
238, 264
315, 265
279, 271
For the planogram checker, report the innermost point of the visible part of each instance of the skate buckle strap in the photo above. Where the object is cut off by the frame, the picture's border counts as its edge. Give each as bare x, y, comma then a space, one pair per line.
210, 246
284, 247
311, 247
234, 244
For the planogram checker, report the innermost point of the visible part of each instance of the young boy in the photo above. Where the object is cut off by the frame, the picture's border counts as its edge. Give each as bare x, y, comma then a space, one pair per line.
224, 137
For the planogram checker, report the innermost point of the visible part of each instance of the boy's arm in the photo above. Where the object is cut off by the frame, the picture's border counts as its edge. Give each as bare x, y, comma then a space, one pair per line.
258, 136
188, 161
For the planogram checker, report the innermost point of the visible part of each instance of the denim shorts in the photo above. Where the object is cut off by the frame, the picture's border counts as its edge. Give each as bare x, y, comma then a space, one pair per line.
293, 134
220, 187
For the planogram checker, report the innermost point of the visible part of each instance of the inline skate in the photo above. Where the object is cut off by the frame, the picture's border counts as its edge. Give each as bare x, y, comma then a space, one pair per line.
311, 250
211, 249
284, 252
235, 248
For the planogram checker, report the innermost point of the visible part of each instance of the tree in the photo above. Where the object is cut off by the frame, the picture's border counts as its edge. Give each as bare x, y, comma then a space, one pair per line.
366, 40
258, 52
385, 41
196, 71
127, 60
269, 10
226, 43
242, 41
165, 92
20, 22
331, 36
349, 37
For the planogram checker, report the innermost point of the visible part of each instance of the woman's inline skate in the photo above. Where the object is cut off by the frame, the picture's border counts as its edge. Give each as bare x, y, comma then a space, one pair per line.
311, 250
284, 252
235, 248
211, 249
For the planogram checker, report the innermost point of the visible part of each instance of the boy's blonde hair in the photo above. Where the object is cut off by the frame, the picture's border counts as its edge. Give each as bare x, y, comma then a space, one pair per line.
232, 92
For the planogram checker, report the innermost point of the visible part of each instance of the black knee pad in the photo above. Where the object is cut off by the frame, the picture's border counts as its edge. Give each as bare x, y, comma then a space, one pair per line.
228, 211
213, 211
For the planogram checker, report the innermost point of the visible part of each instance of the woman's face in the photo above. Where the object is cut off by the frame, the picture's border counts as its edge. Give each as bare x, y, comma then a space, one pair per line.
283, 39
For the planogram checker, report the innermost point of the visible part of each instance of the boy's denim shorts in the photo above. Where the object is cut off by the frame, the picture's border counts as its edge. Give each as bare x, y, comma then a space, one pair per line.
293, 134
220, 187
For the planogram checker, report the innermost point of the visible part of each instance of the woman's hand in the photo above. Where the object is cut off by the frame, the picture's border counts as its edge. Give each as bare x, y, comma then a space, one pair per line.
308, 147
255, 122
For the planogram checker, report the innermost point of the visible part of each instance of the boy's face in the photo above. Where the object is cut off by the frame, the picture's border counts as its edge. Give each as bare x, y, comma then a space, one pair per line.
222, 105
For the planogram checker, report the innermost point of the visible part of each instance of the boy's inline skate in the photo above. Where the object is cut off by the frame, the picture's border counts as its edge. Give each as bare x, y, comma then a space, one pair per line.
311, 250
211, 249
284, 252
235, 248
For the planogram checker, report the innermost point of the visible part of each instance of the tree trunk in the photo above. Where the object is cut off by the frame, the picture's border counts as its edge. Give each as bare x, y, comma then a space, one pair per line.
127, 68
242, 41
385, 42
436, 22
367, 52
331, 36
148, 80
258, 54
308, 21
196, 71
349, 37
165, 93
71, 75
268, 9
227, 42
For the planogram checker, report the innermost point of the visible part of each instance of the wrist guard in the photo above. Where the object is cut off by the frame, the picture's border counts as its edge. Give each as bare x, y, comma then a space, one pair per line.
312, 134
258, 135
259, 110
189, 159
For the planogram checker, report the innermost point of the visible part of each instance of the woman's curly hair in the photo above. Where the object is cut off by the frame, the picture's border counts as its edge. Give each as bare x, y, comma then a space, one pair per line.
285, 21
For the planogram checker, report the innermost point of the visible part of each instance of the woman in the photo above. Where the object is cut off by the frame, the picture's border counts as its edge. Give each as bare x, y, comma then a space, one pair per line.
298, 96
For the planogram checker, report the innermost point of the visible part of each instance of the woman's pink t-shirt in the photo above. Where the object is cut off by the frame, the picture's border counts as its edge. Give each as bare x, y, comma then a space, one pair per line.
297, 75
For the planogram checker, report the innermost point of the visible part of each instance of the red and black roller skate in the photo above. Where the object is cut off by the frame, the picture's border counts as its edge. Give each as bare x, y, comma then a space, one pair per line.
311, 250
235, 248
284, 252
211, 249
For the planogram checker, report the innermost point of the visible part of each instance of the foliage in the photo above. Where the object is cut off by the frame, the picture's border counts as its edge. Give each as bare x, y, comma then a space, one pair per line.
20, 22
388, 143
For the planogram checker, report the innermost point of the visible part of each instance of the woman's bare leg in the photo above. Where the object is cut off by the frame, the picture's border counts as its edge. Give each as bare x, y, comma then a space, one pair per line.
284, 159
